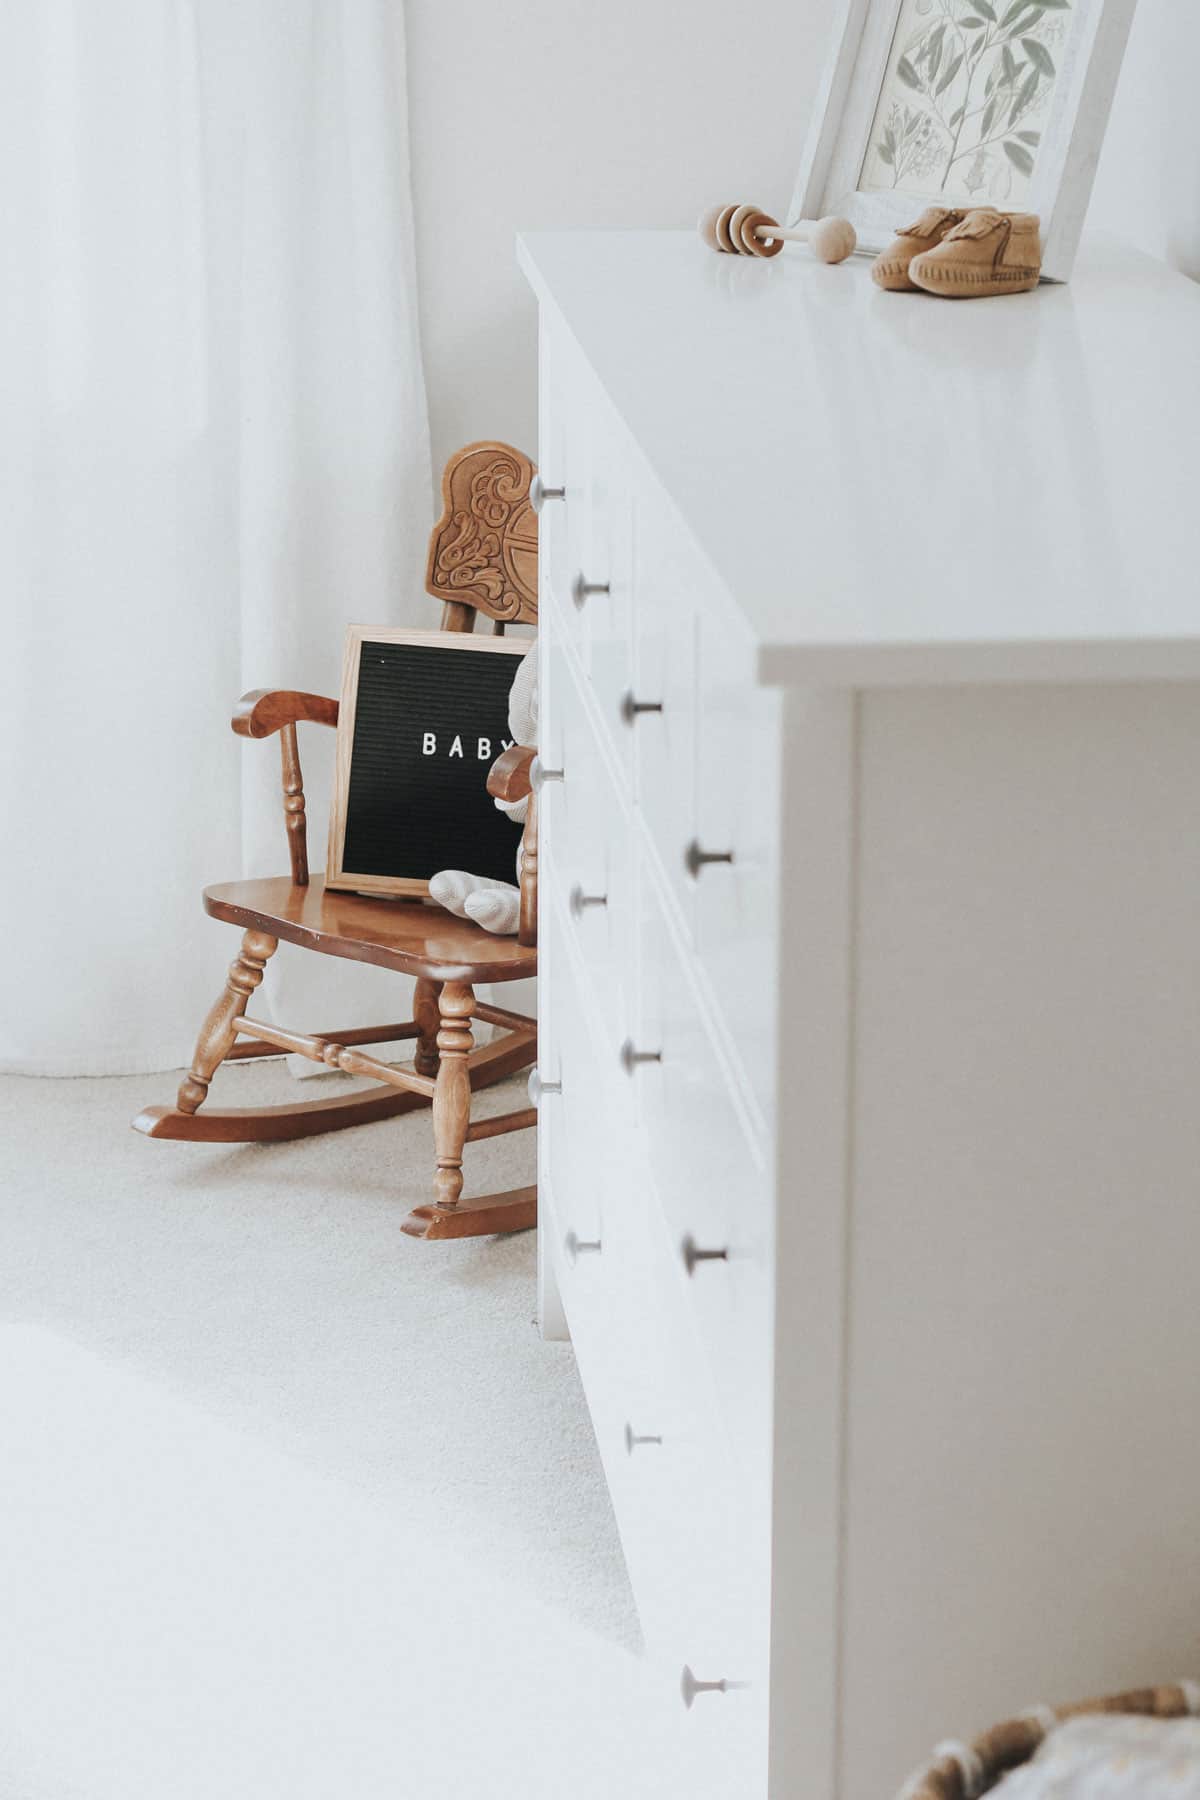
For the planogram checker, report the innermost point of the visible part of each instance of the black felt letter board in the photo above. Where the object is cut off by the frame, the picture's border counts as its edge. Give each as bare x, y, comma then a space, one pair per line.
429, 721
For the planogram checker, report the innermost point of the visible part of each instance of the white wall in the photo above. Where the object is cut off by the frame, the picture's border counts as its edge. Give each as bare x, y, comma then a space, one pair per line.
1148, 183
579, 112
642, 112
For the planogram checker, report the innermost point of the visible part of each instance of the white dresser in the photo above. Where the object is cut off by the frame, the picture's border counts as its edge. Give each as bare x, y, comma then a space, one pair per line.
870, 985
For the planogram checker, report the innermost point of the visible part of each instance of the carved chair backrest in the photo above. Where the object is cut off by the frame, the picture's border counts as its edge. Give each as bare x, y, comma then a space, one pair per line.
483, 549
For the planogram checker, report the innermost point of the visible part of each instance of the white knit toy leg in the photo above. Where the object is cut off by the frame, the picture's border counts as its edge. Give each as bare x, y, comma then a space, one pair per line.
497, 909
452, 888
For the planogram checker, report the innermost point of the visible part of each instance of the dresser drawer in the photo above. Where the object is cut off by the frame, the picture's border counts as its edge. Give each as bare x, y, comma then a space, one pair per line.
569, 1120
664, 677
587, 540
565, 461
586, 855
693, 1533
691, 1508
706, 779
736, 816
606, 564
685, 1474
707, 1168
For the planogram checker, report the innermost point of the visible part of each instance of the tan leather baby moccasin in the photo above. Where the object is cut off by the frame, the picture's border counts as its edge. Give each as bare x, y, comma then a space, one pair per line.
890, 268
989, 253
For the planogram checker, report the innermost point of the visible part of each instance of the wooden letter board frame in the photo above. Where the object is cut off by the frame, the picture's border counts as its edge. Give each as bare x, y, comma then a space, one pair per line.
337, 875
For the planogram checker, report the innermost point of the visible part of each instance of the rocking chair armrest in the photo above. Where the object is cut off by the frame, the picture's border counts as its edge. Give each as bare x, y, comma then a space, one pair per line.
266, 710
260, 714
508, 779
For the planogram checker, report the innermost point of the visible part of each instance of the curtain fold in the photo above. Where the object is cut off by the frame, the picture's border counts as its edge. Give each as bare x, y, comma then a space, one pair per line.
213, 455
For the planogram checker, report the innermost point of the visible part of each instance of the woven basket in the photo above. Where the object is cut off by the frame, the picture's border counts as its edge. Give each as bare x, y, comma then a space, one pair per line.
965, 1771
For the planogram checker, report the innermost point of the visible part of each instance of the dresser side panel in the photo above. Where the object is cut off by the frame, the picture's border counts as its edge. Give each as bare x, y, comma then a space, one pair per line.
1022, 1459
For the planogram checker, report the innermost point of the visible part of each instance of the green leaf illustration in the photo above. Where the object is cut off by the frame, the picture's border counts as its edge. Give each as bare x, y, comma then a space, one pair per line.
956, 118
1057, 5
974, 24
886, 154
1026, 94
908, 74
986, 8
950, 72
1010, 64
989, 118
1039, 55
1020, 158
1014, 11
1027, 21
1030, 137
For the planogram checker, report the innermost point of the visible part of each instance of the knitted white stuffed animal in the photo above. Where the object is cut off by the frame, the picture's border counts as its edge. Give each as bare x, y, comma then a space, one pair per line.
1112, 1758
496, 905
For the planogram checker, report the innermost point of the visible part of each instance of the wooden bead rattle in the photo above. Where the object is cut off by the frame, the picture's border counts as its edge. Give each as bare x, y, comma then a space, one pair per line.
745, 231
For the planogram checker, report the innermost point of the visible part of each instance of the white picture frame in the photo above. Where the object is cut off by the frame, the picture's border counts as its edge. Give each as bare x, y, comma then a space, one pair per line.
1044, 135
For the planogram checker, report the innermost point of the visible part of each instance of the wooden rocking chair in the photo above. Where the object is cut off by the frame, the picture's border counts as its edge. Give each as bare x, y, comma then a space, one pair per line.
482, 558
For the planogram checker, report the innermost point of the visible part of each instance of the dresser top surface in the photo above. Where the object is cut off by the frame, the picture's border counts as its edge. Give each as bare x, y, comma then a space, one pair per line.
899, 489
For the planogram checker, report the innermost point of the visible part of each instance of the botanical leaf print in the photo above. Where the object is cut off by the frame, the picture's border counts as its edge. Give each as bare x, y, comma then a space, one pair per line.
967, 88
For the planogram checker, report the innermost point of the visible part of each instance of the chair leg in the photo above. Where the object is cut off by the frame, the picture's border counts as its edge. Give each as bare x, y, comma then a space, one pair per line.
427, 1017
217, 1034
452, 1093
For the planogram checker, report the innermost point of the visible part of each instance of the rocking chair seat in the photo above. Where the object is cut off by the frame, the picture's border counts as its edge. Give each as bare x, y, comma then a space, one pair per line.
407, 935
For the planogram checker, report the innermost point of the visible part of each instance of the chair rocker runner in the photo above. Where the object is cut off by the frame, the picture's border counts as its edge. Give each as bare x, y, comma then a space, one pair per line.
474, 566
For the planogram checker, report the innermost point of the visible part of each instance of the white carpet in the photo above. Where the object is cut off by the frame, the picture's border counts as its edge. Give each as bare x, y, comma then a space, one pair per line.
290, 1504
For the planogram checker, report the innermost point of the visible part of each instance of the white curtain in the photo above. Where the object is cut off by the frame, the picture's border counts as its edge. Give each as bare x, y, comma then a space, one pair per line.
213, 455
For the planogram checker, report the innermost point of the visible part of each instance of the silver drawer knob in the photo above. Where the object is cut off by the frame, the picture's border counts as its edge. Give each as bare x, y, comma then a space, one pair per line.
632, 1058
633, 1439
631, 709
539, 493
538, 1087
693, 1256
695, 858
580, 902
576, 1247
582, 590
689, 1687
539, 775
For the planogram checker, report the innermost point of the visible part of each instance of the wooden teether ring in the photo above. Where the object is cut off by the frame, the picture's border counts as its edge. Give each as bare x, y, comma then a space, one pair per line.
745, 228
709, 222
746, 231
724, 240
